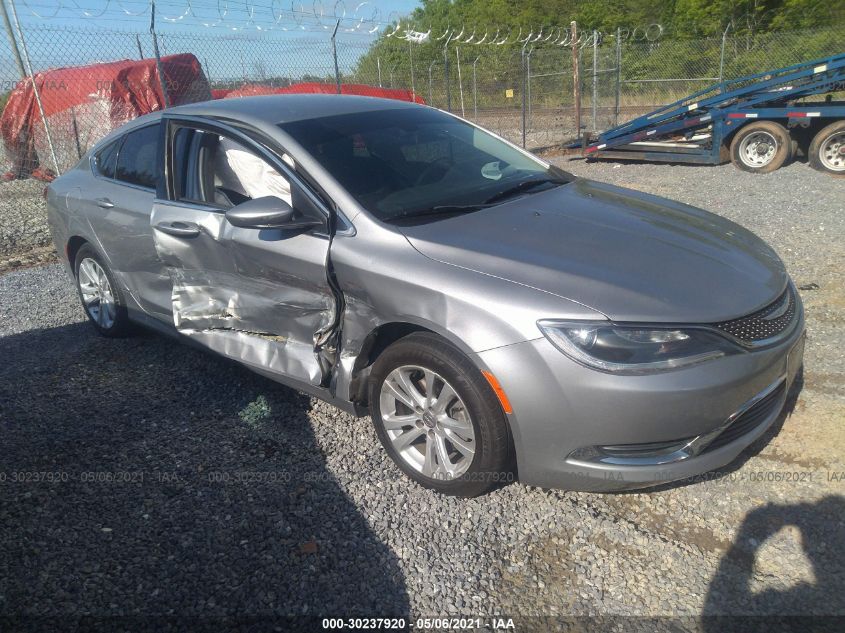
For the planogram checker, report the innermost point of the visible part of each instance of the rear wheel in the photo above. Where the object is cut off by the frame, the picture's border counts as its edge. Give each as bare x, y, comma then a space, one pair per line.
438, 418
827, 149
761, 147
101, 297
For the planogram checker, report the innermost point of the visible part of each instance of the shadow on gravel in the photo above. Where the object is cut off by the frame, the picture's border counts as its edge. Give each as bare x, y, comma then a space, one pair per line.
822, 537
142, 477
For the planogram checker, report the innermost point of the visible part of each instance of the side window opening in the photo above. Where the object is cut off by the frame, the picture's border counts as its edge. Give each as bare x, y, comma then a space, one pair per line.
214, 169
106, 159
137, 158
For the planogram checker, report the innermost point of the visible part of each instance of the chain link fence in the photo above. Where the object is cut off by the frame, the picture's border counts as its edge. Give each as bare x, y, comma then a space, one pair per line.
64, 88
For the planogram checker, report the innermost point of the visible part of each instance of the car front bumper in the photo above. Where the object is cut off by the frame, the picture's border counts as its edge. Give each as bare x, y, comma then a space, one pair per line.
564, 414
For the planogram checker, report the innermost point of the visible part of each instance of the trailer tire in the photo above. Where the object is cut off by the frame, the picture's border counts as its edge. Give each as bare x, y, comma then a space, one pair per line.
761, 147
827, 150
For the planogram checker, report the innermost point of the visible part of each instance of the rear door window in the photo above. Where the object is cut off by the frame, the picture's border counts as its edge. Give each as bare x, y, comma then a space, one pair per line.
138, 157
106, 159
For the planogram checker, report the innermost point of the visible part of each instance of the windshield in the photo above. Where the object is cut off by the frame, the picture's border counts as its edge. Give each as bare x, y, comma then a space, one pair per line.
413, 162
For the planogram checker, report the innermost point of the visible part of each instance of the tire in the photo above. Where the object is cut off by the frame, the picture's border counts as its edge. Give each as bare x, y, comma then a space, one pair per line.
748, 142
436, 425
827, 150
95, 283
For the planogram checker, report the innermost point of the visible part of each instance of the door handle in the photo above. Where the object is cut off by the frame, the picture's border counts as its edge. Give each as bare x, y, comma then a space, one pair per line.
104, 203
179, 229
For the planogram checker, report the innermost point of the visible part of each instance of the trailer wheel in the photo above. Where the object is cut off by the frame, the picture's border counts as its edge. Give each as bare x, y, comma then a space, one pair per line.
827, 150
761, 147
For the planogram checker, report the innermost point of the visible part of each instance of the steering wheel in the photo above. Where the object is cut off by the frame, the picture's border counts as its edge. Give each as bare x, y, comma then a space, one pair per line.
441, 164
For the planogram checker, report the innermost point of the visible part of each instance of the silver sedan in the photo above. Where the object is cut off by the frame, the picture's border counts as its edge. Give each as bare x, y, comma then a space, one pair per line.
493, 314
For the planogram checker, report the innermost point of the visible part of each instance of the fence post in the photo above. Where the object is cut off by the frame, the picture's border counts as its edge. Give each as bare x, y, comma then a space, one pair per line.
618, 74
159, 68
334, 56
524, 91
140, 50
430, 97
528, 81
35, 88
475, 89
446, 73
595, 78
12, 41
378, 66
722, 55
576, 78
460, 80
411, 59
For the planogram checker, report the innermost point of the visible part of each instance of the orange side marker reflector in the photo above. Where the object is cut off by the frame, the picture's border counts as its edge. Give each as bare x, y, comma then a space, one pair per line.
500, 393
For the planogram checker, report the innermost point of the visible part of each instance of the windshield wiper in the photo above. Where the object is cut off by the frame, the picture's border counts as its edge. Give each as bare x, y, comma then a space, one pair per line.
525, 185
442, 209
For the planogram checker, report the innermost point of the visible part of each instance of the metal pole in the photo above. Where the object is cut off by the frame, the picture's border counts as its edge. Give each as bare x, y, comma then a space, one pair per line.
460, 81
159, 69
618, 74
411, 59
12, 41
722, 55
334, 55
528, 80
576, 77
524, 90
35, 88
75, 132
595, 78
475, 89
140, 50
378, 66
446, 73
430, 97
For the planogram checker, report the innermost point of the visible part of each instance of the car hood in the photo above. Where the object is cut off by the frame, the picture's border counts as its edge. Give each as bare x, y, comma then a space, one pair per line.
628, 255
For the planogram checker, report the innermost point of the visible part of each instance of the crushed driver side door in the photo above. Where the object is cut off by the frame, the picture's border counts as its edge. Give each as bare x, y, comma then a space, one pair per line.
259, 296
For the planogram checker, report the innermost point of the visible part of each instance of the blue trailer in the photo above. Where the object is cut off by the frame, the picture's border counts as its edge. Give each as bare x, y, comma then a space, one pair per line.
757, 122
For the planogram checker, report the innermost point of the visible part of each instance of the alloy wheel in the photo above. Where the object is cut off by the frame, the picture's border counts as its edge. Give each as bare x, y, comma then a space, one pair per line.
427, 422
97, 295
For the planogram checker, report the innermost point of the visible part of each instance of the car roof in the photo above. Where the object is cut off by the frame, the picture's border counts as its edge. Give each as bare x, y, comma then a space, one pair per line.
275, 109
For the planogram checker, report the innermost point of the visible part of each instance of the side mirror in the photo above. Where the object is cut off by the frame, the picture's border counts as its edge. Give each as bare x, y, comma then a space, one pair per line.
268, 212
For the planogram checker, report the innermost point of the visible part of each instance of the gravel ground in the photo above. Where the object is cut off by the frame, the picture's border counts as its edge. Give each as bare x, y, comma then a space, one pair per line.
195, 487
24, 216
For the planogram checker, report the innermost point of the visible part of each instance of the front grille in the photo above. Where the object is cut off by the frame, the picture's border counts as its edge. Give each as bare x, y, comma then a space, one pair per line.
763, 324
750, 418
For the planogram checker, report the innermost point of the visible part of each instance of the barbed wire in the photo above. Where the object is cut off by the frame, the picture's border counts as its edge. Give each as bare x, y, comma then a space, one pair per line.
552, 36
262, 15
362, 17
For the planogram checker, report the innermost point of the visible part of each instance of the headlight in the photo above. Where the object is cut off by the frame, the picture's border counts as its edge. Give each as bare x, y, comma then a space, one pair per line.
634, 349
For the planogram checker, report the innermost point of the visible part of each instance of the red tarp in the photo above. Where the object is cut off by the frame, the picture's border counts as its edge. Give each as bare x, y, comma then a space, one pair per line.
84, 103
251, 90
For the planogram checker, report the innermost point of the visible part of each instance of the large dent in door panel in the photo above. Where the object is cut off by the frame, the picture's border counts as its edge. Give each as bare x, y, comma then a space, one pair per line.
212, 299
231, 294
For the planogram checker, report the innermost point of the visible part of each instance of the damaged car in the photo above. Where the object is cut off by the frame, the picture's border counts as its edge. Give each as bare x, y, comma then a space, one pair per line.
494, 315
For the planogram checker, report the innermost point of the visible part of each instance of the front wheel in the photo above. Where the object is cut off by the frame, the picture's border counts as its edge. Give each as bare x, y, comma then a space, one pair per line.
438, 418
761, 147
827, 149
